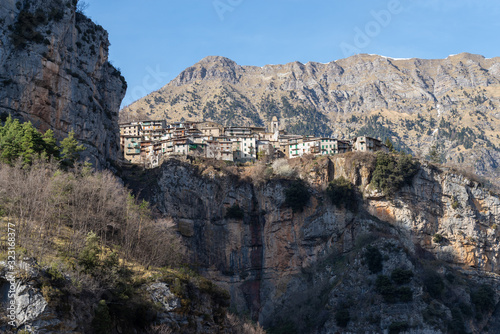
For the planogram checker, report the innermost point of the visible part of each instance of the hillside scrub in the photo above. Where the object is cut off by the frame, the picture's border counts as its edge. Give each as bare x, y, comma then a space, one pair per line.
282, 168
43, 200
91, 238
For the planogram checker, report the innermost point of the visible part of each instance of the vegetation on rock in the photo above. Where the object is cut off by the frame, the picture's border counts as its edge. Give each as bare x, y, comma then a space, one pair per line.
342, 194
392, 172
373, 259
235, 212
297, 196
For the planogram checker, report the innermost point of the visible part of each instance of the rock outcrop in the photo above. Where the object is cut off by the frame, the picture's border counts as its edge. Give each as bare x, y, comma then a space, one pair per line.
54, 72
298, 270
40, 306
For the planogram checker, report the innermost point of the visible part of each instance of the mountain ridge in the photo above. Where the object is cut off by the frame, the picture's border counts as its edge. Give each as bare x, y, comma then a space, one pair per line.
451, 103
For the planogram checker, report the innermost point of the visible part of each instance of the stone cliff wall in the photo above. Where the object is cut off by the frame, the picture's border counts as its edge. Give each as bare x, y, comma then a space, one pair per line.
275, 261
54, 72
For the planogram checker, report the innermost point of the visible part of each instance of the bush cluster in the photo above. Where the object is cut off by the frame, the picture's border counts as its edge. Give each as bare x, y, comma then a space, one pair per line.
392, 293
433, 284
373, 259
392, 172
437, 238
235, 212
342, 317
401, 276
398, 327
341, 192
24, 29
483, 298
297, 196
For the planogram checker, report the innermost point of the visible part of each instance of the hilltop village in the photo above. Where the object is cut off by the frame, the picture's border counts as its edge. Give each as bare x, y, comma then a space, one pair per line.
148, 142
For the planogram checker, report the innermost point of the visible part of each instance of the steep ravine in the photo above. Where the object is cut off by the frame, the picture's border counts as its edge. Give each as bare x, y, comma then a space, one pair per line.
295, 270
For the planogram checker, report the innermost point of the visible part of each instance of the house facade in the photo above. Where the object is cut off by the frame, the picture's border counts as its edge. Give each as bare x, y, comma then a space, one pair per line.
148, 141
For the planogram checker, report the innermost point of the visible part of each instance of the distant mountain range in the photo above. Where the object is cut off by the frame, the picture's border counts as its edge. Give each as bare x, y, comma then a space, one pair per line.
451, 105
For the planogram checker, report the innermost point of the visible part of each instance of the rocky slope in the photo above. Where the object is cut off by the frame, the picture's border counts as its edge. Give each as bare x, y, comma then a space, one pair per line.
54, 72
45, 304
424, 259
452, 103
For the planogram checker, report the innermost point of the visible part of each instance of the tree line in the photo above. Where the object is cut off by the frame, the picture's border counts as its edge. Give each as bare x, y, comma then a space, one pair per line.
23, 141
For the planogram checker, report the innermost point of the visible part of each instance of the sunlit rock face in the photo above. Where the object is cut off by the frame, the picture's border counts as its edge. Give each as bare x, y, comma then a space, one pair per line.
54, 72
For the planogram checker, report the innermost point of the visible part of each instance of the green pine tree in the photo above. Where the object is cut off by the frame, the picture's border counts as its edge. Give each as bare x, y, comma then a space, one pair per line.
435, 155
50, 142
32, 144
389, 144
10, 140
70, 150
102, 321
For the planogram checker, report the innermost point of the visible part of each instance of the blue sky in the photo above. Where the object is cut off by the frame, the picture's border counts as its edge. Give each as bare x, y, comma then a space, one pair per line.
152, 41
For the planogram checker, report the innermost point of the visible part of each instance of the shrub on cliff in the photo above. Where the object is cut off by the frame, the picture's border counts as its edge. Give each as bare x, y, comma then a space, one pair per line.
282, 168
401, 276
392, 172
102, 322
341, 192
483, 298
24, 29
373, 259
433, 283
235, 212
392, 293
297, 196
342, 316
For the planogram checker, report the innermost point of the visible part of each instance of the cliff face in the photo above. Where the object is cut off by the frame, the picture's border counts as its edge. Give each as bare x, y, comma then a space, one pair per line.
452, 103
296, 270
54, 72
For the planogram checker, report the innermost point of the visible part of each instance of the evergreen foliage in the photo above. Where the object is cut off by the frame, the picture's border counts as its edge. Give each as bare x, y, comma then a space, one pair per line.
297, 196
102, 322
389, 145
435, 155
392, 293
483, 298
89, 256
342, 193
342, 317
392, 172
373, 258
401, 276
235, 212
70, 150
23, 141
434, 284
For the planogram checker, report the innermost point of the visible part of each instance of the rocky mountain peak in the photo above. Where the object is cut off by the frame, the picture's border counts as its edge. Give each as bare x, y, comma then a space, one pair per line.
217, 60
208, 69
